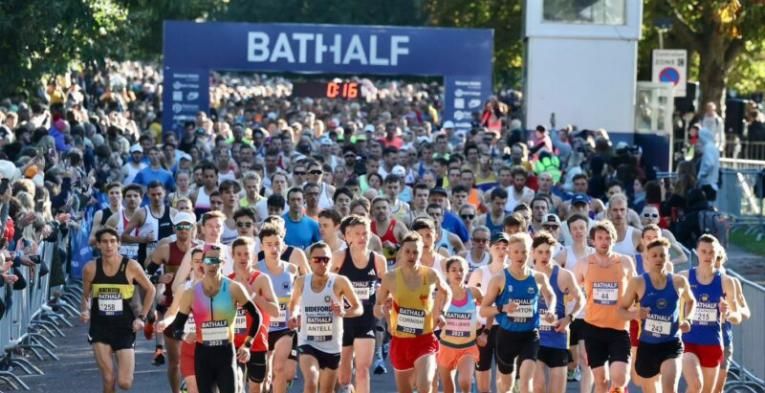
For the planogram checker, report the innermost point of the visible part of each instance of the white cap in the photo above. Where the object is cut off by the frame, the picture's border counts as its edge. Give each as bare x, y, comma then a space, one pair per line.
448, 124
398, 170
136, 148
184, 217
185, 156
369, 128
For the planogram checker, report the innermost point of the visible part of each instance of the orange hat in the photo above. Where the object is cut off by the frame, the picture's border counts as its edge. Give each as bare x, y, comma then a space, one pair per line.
31, 171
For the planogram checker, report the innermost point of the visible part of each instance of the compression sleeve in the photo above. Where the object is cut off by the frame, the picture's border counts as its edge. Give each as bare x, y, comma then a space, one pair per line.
152, 268
175, 329
256, 320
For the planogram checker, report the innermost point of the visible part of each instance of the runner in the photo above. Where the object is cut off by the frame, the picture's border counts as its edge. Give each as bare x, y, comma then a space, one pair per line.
107, 292
229, 193
214, 302
132, 196
211, 228
704, 343
387, 228
432, 256
628, 237
258, 285
458, 353
359, 333
606, 336
168, 257
554, 337
488, 336
478, 255
201, 197
153, 223
316, 306
658, 294
282, 342
495, 217
114, 193
414, 313
329, 229
512, 299
290, 254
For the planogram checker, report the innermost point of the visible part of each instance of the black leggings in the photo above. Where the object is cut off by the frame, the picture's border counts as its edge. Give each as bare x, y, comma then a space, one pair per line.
215, 366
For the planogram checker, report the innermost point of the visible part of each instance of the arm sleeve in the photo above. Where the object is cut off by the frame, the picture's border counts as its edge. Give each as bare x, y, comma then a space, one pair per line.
175, 329
256, 320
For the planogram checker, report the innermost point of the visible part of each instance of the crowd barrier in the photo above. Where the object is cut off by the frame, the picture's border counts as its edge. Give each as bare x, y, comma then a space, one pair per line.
748, 373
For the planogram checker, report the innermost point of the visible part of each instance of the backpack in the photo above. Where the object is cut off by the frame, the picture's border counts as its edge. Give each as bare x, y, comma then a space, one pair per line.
714, 223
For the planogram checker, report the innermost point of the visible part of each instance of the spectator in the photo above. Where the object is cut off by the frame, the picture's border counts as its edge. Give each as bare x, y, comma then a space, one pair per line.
715, 124
709, 167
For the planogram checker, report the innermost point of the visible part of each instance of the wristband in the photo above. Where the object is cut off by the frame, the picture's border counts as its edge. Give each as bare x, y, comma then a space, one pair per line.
142, 318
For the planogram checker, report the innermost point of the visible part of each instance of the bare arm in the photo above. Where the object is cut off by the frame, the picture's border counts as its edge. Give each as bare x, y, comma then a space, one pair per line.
746, 313
443, 296
456, 243
734, 316
88, 273
136, 271
545, 288
299, 259
573, 290
380, 265
96, 226
297, 294
631, 295
139, 217
686, 297
345, 290
488, 308
266, 297
183, 272
383, 293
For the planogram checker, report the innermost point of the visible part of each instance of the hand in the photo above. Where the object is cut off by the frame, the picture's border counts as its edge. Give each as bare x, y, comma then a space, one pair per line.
161, 326
642, 313
189, 338
387, 306
510, 307
137, 325
338, 310
724, 309
46, 231
85, 316
148, 238
685, 326
562, 324
482, 339
243, 354
166, 278
549, 317
293, 323
440, 321
10, 278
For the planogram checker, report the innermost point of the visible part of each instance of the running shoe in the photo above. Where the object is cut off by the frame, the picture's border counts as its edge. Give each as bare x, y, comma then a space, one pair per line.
379, 367
148, 326
159, 357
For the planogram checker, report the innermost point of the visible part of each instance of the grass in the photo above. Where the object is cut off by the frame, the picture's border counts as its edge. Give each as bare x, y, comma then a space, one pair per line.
748, 241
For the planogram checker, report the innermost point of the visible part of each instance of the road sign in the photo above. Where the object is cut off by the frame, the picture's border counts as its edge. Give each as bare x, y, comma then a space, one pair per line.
670, 66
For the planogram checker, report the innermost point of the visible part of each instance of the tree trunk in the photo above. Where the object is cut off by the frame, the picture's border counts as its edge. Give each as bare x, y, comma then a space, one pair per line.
713, 76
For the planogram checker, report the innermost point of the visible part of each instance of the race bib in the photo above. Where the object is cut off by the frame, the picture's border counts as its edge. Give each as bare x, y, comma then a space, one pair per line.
110, 303
705, 315
363, 292
215, 333
458, 324
240, 323
523, 311
657, 327
411, 321
319, 327
543, 324
605, 293
190, 326
129, 250
280, 322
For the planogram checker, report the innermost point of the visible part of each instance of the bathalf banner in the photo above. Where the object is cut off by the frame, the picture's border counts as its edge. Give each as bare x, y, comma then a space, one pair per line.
463, 57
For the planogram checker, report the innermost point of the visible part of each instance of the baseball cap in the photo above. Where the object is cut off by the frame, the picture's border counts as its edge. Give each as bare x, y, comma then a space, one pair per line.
439, 191
398, 170
369, 128
580, 198
325, 141
551, 219
499, 237
136, 148
185, 156
448, 124
184, 217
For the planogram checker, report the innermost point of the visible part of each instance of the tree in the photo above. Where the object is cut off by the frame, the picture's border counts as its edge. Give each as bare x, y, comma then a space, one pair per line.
718, 31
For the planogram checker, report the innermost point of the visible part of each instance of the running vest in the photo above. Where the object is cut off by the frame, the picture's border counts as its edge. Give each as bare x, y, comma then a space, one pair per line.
444, 242
244, 321
626, 246
494, 228
214, 316
162, 228
603, 287
412, 312
639, 268
363, 280
105, 214
706, 327
229, 235
400, 212
388, 252
547, 335
661, 325
325, 200
473, 265
461, 322
174, 259
319, 327
284, 257
129, 250
202, 203
283, 284
525, 292
111, 296
486, 275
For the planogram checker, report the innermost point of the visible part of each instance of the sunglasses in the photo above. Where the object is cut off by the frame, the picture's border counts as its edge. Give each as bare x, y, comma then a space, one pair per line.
316, 172
479, 240
650, 215
322, 260
299, 173
550, 226
184, 227
244, 224
467, 216
211, 261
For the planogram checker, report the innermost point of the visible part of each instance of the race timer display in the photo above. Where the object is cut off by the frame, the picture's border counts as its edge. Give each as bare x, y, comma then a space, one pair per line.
341, 90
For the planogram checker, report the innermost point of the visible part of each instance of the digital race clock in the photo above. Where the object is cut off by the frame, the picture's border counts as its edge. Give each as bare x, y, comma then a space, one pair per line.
342, 90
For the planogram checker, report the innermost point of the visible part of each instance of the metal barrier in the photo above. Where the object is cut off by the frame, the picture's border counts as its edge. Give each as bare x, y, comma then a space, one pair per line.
738, 196
29, 322
748, 340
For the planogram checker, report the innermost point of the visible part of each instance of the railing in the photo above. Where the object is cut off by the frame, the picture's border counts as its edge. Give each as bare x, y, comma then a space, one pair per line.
30, 322
748, 371
741, 194
744, 150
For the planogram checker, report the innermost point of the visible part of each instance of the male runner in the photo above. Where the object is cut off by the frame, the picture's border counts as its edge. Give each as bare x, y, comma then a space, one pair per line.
212, 227
553, 353
512, 298
229, 193
627, 237
604, 276
386, 227
107, 292
364, 268
153, 223
282, 342
114, 192
214, 302
169, 256
132, 196
317, 299
658, 294
712, 290
258, 285
495, 217
414, 314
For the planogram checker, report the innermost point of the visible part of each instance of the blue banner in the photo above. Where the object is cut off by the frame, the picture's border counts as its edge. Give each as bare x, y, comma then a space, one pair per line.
463, 57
